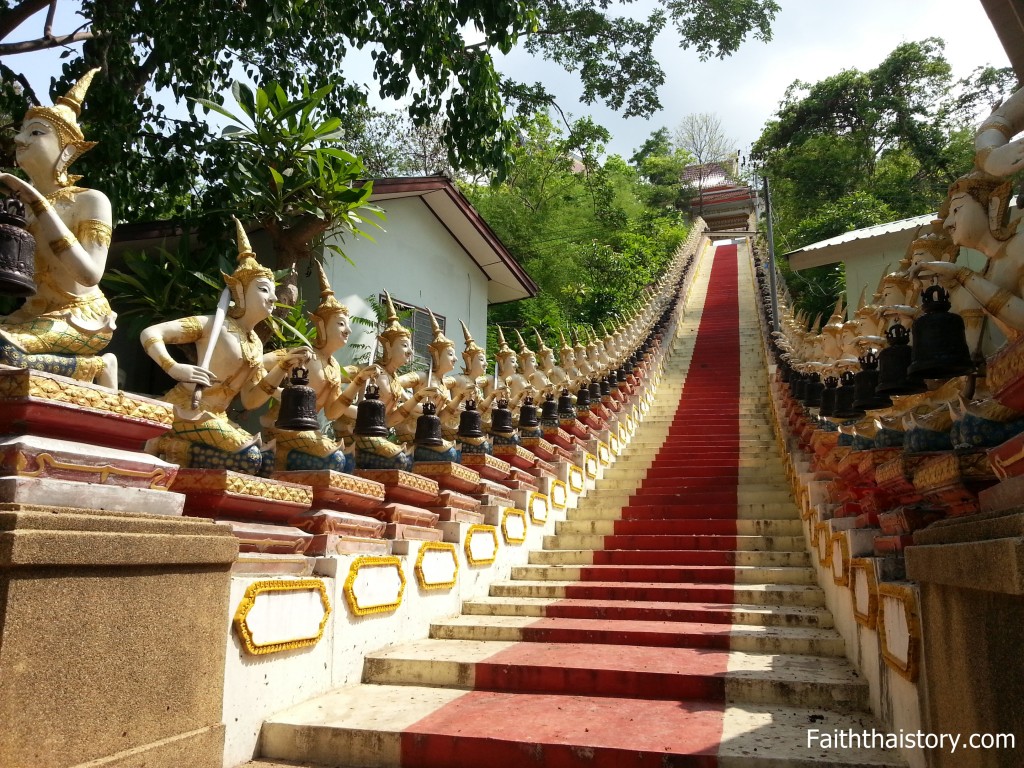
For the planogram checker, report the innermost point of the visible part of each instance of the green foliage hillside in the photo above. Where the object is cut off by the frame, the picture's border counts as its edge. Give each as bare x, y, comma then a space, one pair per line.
863, 148
582, 229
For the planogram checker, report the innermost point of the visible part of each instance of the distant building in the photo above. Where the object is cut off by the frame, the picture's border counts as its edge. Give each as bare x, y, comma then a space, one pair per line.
717, 194
435, 251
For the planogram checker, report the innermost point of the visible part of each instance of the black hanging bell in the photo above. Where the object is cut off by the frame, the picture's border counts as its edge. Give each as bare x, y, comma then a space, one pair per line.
828, 396
298, 404
470, 421
583, 399
893, 363
798, 385
566, 410
549, 410
528, 414
865, 382
370, 415
595, 391
940, 343
812, 390
17, 250
844, 408
428, 427
501, 419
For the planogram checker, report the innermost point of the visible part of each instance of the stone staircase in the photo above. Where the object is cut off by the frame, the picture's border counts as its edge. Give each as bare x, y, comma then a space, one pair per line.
672, 620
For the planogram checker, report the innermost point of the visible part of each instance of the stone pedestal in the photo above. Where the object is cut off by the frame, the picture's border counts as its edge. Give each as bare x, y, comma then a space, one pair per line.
488, 467
223, 493
112, 645
971, 576
515, 455
540, 447
450, 476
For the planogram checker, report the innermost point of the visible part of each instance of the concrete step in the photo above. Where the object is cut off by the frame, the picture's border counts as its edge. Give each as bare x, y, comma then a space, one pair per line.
662, 634
696, 484
725, 592
615, 610
667, 574
606, 509
383, 726
611, 670
641, 542
655, 557
708, 438
768, 459
625, 473
657, 496
773, 528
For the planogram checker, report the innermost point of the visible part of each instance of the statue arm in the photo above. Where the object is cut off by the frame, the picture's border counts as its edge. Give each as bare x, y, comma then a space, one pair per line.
83, 257
264, 382
342, 405
998, 302
414, 380
406, 409
454, 402
155, 339
996, 153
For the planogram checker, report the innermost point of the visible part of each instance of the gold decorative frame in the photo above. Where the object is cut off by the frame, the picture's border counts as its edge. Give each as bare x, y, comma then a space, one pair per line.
436, 546
372, 561
248, 602
865, 564
614, 444
604, 453
157, 476
505, 515
803, 501
812, 529
908, 599
588, 462
821, 530
473, 530
558, 484
576, 474
843, 579
534, 496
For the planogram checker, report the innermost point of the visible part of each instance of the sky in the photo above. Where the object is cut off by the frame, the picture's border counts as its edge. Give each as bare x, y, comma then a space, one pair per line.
812, 39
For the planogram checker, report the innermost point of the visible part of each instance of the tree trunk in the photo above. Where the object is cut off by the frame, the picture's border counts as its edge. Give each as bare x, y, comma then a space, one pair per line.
293, 244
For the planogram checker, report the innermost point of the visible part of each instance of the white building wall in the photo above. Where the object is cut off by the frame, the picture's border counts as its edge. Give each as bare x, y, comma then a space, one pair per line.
415, 259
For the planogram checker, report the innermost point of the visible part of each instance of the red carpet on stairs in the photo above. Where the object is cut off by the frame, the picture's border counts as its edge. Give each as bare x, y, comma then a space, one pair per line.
629, 669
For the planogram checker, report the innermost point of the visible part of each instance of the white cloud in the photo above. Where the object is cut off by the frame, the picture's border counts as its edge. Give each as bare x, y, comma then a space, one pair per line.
812, 39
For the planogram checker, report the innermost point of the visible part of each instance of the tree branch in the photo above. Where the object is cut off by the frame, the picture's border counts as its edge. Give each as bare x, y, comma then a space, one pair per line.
549, 32
145, 72
14, 18
30, 94
48, 24
43, 43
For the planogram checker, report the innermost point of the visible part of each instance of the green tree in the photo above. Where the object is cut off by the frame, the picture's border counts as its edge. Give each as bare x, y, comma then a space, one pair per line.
579, 227
660, 165
437, 56
287, 172
861, 148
